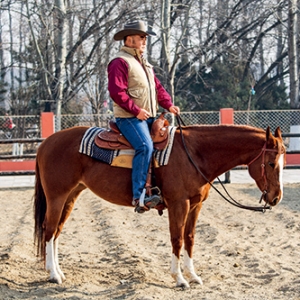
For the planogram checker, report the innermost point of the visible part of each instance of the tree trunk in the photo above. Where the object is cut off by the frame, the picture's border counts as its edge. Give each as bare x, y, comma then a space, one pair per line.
165, 36
2, 72
39, 54
12, 79
61, 57
280, 45
293, 55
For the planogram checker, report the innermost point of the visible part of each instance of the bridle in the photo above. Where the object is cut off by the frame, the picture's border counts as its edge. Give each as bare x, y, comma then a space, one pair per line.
263, 168
231, 200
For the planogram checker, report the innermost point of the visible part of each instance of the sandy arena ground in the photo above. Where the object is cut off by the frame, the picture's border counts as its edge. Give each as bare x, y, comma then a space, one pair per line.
110, 252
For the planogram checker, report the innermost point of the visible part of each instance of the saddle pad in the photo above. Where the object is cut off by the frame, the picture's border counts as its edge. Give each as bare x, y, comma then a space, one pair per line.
162, 156
88, 147
120, 158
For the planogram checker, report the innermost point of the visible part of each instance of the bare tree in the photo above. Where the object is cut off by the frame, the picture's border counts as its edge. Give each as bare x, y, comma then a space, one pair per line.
61, 55
280, 41
293, 54
178, 18
2, 65
71, 43
11, 48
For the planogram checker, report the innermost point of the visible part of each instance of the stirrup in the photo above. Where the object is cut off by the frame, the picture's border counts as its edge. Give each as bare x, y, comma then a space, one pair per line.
147, 203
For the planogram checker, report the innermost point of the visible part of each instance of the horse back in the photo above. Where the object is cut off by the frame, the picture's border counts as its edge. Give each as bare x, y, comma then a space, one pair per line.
62, 140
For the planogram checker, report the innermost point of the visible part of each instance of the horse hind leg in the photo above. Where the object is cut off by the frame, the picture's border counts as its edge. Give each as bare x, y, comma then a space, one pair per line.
52, 262
177, 219
51, 248
189, 240
53, 215
56, 275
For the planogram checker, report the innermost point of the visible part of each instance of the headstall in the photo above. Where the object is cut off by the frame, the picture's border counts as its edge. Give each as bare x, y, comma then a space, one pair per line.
263, 168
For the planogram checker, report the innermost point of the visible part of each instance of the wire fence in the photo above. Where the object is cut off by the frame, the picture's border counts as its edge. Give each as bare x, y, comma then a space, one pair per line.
28, 127
285, 119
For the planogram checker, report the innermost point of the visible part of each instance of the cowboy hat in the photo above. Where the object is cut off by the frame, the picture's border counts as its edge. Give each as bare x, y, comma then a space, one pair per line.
132, 28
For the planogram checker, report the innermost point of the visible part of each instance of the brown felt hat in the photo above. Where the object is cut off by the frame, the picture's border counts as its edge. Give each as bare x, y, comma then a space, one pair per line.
132, 28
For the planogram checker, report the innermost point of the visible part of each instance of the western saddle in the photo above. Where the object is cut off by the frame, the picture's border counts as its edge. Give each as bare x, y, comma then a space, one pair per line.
113, 139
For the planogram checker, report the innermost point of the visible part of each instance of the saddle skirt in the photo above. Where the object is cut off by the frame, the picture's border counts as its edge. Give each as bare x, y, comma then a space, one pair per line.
122, 157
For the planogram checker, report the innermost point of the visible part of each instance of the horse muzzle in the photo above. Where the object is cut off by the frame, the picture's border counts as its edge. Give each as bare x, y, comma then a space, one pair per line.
271, 200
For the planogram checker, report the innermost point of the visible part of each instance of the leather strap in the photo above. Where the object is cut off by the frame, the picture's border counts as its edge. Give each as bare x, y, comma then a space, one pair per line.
230, 199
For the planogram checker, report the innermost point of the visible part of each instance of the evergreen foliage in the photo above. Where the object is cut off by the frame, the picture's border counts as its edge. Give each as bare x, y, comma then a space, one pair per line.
222, 87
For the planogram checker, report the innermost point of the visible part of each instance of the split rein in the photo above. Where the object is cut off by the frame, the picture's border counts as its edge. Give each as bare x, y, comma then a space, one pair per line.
230, 199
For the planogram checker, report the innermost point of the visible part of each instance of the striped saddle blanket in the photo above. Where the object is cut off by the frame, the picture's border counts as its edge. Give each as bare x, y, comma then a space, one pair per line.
121, 158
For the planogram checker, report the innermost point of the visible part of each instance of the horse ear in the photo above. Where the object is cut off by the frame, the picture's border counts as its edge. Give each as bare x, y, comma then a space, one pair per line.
268, 133
278, 132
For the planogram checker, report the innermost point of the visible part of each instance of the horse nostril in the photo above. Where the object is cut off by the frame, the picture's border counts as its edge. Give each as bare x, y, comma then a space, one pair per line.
275, 201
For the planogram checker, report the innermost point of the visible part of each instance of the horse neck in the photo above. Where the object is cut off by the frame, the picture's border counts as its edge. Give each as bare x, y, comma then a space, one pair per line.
221, 148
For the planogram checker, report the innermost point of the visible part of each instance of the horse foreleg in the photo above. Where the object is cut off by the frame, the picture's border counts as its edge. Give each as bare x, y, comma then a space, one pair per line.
176, 272
177, 219
189, 240
189, 269
52, 265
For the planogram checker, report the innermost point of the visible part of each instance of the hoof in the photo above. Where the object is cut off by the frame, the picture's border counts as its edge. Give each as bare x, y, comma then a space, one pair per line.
192, 277
196, 280
183, 284
61, 275
55, 279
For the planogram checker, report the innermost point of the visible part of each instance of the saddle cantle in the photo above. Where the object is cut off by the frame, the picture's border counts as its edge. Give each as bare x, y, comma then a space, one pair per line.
112, 138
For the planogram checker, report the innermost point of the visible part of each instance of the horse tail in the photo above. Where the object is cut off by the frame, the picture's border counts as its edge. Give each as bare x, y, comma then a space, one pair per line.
40, 207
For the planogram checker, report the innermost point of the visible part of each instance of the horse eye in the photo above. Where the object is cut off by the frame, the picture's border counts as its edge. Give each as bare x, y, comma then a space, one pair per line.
272, 165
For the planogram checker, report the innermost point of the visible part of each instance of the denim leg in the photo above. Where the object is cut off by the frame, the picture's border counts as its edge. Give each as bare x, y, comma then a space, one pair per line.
137, 132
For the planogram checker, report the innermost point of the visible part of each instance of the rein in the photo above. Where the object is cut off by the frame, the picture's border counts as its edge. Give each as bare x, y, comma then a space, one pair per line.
230, 199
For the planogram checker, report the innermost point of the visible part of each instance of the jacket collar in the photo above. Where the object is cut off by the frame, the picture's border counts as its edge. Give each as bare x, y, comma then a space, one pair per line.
137, 54
132, 51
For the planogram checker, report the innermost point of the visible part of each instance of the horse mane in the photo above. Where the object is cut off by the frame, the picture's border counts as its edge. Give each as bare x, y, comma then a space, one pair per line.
227, 132
229, 127
205, 141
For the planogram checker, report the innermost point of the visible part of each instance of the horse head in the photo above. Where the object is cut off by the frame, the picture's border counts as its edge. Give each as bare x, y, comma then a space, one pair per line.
267, 168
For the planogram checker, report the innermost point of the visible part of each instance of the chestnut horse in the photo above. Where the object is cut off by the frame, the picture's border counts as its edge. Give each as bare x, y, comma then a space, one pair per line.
62, 173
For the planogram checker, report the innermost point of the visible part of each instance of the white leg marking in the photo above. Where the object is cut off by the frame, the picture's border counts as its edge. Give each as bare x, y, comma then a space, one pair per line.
50, 262
176, 272
62, 276
281, 163
189, 271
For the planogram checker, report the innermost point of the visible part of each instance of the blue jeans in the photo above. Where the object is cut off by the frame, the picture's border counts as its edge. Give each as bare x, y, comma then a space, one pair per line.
137, 132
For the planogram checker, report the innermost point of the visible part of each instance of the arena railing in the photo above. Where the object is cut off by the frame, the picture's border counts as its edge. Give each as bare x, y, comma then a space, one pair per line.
29, 131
